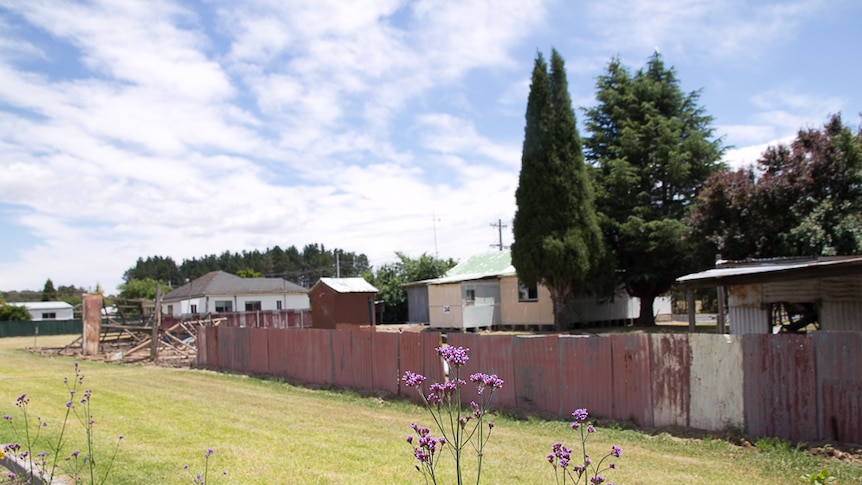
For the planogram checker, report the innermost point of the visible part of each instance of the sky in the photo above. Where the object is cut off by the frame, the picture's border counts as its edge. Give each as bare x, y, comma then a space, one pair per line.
187, 128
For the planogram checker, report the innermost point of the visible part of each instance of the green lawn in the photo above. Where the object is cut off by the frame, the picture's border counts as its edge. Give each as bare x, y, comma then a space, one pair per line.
271, 432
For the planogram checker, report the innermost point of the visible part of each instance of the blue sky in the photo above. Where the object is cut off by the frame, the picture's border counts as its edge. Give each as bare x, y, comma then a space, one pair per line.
181, 129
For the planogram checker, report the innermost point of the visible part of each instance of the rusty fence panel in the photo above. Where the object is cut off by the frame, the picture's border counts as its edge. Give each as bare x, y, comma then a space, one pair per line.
670, 376
352, 358
241, 350
839, 385
417, 354
586, 375
225, 350
384, 361
280, 359
489, 354
536, 361
313, 362
780, 392
631, 379
258, 354
201, 342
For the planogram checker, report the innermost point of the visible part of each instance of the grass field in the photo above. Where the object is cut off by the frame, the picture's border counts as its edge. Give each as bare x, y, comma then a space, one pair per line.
266, 431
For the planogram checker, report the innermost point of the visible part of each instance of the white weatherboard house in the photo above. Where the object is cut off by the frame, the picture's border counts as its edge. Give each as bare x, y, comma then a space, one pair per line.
220, 292
48, 310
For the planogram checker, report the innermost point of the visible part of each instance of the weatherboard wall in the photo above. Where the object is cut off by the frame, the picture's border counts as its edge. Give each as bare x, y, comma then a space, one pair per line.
796, 387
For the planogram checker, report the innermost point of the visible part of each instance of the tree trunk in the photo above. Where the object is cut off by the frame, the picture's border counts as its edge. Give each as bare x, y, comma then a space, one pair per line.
556, 301
647, 315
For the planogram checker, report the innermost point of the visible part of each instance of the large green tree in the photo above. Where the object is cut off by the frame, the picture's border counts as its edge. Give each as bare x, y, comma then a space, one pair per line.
558, 242
49, 293
651, 147
803, 199
13, 313
389, 279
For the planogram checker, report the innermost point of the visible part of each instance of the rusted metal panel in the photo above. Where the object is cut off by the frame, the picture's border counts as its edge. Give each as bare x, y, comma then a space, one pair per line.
779, 386
352, 357
792, 291
201, 342
279, 359
258, 356
670, 371
310, 352
416, 354
631, 379
241, 350
536, 361
839, 381
841, 316
225, 347
715, 382
384, 363
489, 354
586, 380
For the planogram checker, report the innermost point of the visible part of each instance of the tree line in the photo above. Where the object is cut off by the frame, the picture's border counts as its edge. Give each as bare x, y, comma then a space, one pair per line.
648, 184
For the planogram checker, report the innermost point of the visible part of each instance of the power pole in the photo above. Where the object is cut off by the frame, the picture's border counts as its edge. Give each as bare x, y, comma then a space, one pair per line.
434, 219
499, 225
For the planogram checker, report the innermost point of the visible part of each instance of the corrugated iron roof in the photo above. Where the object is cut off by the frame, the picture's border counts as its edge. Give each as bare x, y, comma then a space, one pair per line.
222, 283
478, 267
348, 285
747, 272
42, 305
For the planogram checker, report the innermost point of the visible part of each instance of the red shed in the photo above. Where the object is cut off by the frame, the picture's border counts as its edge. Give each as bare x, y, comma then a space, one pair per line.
336, 301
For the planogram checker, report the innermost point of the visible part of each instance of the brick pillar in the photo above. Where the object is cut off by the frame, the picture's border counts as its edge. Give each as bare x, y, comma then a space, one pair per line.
92, 316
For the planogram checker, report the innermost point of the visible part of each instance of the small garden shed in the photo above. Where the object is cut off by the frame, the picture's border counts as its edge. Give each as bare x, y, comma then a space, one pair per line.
342, 301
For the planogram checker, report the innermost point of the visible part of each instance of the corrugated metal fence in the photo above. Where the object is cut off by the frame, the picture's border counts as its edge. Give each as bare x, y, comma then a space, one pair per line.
797, 387
44, 327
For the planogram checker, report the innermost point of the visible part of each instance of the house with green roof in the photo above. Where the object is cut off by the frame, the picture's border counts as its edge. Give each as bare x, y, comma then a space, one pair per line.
484, 292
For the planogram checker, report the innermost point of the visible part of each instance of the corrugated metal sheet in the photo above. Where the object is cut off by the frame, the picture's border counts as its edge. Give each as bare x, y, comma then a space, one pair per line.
536, 361
780, 390
750, 296
841, 316
631, 379
489, 354
258, 354
311, 356
587, 367
716, 378
845, 288
792, 291
417, 354
839, 376
744, 320
384, 364
280, 360
352, 357
670, 367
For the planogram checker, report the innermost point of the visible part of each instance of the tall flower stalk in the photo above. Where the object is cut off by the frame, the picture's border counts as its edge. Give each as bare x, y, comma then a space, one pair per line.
458, 426
587, 470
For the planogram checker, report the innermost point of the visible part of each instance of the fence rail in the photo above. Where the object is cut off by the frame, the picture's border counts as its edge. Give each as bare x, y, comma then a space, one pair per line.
796, 387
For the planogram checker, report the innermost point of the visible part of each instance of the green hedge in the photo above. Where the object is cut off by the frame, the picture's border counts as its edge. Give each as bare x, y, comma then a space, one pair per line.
46, 327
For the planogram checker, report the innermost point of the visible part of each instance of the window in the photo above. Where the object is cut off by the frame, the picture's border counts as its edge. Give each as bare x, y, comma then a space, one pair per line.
530, 293
49, 316
278, 305
471, 297
252, 306
193, 308
170, 309
223, 306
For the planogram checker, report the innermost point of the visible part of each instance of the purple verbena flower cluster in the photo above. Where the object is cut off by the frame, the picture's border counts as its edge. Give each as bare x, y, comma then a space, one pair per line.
455, 356
485, 380
560, 456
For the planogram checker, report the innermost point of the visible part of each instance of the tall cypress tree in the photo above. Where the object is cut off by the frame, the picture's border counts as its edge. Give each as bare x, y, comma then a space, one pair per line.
557, 237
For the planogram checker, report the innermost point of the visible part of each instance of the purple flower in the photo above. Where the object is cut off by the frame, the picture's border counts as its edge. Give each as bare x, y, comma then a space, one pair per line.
412, 379
597, 479
456, 356
580, 414
591, 429
616, 451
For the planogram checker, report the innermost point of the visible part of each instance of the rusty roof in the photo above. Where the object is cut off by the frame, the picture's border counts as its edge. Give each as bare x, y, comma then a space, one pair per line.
728, 273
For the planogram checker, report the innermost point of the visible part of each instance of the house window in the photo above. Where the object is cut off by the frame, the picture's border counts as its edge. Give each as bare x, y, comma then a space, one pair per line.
193, 308
471, 297
223, 306
528, 293
252, 306
278, 305
49, 316
170, 309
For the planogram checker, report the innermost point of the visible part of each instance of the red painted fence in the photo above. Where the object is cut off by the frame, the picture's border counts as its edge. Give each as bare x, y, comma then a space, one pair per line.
796, 387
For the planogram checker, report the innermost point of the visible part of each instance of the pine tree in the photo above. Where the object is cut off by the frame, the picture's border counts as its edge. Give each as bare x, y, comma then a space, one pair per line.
48, 291
651, 147
557, 237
